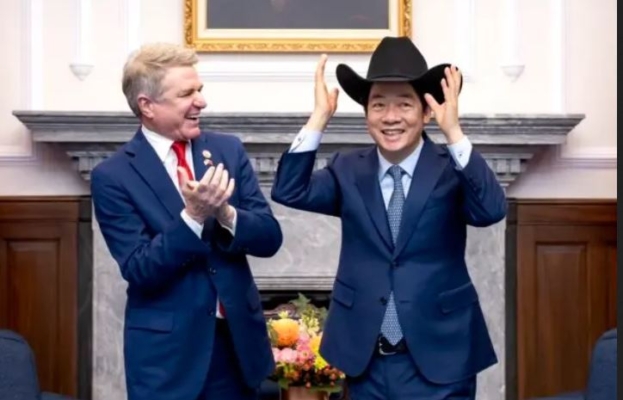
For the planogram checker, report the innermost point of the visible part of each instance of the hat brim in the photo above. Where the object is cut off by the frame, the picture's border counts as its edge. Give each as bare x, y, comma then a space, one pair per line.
358, 87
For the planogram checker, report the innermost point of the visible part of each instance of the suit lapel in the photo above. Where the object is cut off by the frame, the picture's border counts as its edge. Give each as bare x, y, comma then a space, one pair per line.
199, 145
146, 162
433, 160
370, 190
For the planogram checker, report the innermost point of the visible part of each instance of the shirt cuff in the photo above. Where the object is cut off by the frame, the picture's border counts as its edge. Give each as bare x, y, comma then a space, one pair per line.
192, 224
231, 229
461, 151
306, 140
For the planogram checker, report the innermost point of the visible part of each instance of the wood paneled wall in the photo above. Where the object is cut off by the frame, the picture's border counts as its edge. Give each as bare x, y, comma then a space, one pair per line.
561, 292
45, 286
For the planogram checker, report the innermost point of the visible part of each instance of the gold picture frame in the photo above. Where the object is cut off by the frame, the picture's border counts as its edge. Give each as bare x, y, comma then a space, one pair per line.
198, 35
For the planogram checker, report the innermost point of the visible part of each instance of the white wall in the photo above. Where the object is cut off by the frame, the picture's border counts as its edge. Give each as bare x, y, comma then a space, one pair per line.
567, 47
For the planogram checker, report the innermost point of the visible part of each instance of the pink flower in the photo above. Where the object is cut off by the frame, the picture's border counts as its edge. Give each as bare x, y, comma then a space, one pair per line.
276, 354
305, 355
303, 339
286, 355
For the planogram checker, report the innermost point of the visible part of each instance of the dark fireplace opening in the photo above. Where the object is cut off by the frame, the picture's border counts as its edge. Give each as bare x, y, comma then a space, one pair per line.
272, 299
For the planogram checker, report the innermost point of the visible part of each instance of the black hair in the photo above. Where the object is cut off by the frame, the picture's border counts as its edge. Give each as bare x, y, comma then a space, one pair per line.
417, 89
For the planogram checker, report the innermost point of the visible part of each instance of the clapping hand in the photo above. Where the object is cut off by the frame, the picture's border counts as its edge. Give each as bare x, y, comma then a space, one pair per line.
209, 196
325, 101
447, 114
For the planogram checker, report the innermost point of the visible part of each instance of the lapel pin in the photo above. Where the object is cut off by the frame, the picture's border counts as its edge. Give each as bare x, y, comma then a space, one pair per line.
206, 157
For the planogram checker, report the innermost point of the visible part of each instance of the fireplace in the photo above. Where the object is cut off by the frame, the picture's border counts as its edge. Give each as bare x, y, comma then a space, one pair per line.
307, 261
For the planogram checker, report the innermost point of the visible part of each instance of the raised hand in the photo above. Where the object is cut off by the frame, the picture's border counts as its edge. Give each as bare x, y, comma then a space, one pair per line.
325, 101
209, 196
447, 114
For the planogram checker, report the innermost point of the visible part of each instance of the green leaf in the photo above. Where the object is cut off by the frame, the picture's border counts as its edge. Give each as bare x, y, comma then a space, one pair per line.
301, 303
272, 334
322, 315
283, 383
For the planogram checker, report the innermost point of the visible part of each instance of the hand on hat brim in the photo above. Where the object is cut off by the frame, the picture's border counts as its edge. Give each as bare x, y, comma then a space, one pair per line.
447, 113
431, 83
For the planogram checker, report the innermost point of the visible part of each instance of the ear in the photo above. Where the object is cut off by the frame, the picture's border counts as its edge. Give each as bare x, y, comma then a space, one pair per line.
427, 113
145, 105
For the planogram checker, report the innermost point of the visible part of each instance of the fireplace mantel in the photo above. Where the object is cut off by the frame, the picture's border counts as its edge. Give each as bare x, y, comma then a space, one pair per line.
507, 141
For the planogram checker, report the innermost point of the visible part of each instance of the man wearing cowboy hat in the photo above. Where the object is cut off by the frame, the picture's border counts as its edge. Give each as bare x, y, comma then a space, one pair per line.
405, 321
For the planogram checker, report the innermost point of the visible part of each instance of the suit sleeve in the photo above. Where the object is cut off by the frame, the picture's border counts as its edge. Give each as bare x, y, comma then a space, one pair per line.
484, 201
147, 261
258, 233
298, 186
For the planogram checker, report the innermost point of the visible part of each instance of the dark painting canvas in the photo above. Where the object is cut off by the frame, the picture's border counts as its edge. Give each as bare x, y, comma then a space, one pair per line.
298, 14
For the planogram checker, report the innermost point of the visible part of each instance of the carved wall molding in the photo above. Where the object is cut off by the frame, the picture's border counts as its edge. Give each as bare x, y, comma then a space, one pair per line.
507, 141
300, 282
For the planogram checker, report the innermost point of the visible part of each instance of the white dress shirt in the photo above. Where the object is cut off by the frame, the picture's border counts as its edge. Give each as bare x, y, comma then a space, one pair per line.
162, 146
308, 140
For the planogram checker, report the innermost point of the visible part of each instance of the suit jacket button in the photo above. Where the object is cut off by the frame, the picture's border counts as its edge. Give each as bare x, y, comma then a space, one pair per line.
394, 264
211, 313
212, 271
383, 300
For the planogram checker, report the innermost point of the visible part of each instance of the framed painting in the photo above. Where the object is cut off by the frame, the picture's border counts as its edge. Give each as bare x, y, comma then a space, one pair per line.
346, 26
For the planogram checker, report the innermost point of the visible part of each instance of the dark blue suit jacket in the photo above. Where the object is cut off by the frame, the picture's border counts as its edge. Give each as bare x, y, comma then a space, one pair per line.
174, 276
436, 301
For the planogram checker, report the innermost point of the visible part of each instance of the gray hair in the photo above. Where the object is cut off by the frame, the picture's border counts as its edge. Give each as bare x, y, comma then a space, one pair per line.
145, 68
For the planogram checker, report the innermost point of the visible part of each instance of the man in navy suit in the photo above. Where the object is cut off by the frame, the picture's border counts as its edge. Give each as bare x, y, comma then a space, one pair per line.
180, 210
405, 320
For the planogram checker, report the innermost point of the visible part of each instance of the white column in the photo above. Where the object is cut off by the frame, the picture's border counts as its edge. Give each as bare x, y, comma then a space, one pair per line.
32, 45
133, 24
32, 81
465, 37
558, 74
83, 64
512, 63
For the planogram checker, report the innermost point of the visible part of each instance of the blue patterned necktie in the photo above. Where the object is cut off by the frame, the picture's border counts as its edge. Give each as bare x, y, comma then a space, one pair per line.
390, 328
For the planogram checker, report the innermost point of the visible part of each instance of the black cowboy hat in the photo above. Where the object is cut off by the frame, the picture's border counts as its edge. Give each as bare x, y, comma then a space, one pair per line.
395, 59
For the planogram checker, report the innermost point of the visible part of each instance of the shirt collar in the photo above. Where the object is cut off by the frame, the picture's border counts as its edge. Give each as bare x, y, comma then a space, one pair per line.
161, 144
408, 164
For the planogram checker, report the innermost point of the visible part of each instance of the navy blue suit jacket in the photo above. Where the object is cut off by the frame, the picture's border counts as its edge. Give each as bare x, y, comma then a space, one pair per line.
174, 276
437, 303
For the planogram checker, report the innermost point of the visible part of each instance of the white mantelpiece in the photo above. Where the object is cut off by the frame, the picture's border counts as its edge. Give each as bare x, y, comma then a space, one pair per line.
507, 141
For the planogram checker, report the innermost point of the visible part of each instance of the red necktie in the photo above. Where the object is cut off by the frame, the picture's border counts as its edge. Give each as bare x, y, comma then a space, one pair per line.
179, 148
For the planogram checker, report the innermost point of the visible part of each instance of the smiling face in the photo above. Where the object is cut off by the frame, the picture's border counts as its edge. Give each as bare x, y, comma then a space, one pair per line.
175, 112
395, 116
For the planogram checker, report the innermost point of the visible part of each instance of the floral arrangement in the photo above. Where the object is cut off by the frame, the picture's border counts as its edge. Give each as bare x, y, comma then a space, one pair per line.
295, 334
